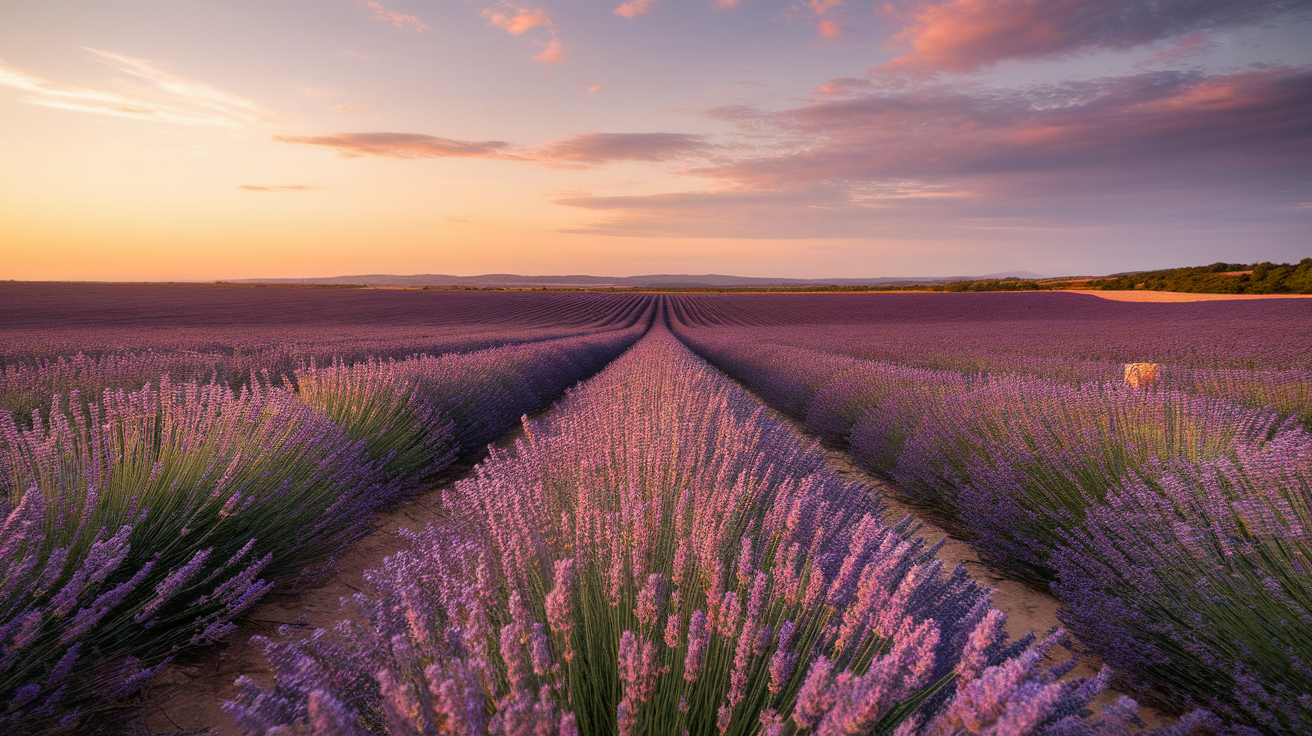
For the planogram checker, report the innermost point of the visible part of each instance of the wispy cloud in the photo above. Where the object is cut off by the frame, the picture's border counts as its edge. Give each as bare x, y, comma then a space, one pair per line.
829, 29
143, 90
519, 19
964, 35
552, 53
604, 148
400, 20
516, 19
1198, 42
278, 188
349, 108
403, 145
586, 150
634, 8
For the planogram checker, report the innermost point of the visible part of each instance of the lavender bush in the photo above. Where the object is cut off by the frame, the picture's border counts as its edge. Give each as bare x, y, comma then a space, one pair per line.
150, 520
663, 556
146, 521
401, 430
1194, 579
1173, 521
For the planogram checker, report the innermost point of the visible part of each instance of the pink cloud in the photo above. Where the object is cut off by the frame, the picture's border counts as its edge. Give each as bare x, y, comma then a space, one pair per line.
516, 19
399, 20
829, 29
585, 150
1158, 123
723, 4
964, 35
403, 145
349, 108
820, 7
635, 8
1154, 147
553, 53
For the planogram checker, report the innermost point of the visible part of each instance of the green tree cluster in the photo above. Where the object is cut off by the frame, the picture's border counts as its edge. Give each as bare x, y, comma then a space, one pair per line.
1221, 278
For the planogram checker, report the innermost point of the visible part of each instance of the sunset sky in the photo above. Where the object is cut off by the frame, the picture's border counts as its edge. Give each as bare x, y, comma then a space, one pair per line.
208, 139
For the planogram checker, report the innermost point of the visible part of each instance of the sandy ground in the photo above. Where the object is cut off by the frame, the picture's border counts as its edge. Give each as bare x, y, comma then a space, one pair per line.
1176, 296
186, 696
188, 693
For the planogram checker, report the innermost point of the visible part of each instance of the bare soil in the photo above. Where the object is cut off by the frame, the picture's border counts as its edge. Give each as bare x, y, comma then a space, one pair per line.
1176, 296
186, 697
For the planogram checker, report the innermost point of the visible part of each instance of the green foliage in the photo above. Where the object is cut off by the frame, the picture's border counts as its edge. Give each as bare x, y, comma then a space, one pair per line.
1220, 278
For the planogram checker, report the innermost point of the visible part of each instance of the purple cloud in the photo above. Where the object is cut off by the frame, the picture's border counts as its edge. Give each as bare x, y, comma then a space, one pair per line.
603, 148
1182, 147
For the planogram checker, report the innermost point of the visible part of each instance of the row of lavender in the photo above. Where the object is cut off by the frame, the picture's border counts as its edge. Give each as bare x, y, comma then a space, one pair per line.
1175, 527
143, 522
38, 362
1254, 353
664, 556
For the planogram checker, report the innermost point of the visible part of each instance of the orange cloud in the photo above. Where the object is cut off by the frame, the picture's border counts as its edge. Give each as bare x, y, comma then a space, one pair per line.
635, 8
829, 29
516, 19
554, 53
399, 20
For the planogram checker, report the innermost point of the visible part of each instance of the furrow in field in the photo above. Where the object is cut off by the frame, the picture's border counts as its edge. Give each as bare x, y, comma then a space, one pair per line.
1028, 609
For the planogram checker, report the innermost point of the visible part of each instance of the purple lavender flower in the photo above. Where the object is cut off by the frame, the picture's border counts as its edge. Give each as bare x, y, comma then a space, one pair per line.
698, 639
649, 600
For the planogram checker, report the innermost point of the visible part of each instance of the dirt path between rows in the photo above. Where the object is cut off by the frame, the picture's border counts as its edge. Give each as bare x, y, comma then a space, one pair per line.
186, 697
1028, 610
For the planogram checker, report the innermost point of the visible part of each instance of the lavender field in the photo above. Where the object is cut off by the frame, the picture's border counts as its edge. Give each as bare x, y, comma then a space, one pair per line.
663, 551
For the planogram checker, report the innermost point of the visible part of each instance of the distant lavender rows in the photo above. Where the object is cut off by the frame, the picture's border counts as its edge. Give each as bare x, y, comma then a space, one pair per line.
94, 350
663, 556
143, 521
1173, 525
1253, 353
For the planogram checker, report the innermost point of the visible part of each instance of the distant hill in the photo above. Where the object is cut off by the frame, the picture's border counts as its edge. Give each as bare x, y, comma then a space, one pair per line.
510, 280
